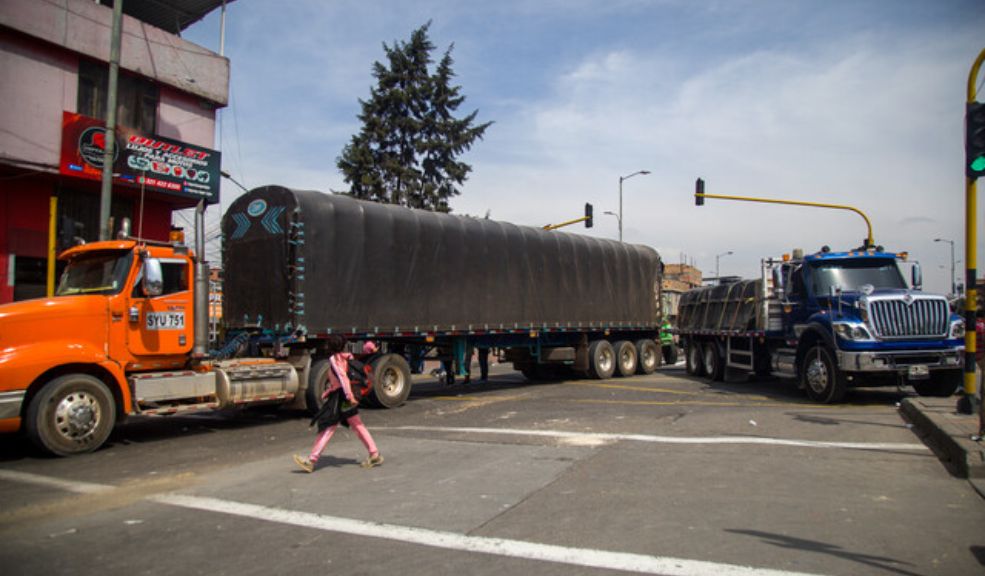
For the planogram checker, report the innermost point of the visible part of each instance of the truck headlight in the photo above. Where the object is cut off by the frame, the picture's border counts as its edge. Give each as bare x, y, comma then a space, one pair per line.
852, 331
957, 329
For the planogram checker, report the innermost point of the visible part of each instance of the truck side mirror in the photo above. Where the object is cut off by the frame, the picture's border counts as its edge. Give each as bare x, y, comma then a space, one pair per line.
916, 277
153, 281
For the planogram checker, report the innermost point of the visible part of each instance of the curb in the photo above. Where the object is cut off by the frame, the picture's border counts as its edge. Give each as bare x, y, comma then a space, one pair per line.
949, 435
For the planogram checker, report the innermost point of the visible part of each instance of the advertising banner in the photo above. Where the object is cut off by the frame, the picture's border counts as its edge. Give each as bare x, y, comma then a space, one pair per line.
159, 164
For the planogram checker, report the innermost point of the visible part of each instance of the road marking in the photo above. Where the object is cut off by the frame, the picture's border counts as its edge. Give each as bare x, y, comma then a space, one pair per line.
589, 436
586, 557
49, 482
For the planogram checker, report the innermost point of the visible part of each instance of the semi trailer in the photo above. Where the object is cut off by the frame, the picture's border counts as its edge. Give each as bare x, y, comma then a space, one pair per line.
126, 332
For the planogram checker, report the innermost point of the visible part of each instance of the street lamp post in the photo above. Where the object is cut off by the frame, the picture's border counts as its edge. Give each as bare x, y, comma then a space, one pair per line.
621, 178
717, 256
951, 242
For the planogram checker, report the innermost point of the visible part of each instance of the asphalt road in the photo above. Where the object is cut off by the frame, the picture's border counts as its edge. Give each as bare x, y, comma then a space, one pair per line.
660, 474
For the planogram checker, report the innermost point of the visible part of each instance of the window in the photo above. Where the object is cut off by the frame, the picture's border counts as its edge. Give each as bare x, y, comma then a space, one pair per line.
175, 276
95, 273
136, 99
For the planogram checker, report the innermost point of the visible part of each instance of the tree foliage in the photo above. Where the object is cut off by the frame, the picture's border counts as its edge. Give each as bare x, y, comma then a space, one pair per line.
407, 150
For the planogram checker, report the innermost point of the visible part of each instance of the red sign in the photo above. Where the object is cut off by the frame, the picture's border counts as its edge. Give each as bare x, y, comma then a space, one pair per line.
158, 163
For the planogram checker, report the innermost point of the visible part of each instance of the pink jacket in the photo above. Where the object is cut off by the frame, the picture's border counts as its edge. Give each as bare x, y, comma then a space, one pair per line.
338, 375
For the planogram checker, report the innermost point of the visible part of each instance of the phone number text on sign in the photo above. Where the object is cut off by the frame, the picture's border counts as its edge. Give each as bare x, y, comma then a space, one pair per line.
165, 320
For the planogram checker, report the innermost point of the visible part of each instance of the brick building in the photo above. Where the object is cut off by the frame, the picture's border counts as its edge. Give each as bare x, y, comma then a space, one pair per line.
54, 62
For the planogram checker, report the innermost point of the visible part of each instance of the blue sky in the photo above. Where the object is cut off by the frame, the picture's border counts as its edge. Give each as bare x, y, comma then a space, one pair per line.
844, 102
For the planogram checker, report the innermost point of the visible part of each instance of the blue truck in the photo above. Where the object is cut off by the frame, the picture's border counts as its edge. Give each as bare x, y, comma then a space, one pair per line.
832, 321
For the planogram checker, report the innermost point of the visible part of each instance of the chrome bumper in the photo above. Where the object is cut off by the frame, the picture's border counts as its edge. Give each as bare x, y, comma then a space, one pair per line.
10, 404
900, 360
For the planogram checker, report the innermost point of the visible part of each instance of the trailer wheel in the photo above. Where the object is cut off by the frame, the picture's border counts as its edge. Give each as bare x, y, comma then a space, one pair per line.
647, 355
391, 380
694, 363
72, 414
941, 384
601, 360
713, 362
317, 384
626, 358
820, 377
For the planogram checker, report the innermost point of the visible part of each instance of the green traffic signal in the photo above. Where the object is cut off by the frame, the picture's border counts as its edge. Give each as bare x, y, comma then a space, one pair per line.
974, 140
978, 164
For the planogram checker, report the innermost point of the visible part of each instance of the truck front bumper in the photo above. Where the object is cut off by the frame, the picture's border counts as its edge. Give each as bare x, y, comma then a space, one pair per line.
900, 360
10, 410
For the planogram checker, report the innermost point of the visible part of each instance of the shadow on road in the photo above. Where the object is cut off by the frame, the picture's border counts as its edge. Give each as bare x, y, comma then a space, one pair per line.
783, 541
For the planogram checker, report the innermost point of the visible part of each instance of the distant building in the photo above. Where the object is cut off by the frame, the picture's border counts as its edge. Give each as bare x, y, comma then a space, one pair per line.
677, 279
54, 63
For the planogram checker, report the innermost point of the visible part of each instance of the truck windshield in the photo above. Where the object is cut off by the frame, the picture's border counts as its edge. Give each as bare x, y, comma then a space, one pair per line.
95, 273
849, 275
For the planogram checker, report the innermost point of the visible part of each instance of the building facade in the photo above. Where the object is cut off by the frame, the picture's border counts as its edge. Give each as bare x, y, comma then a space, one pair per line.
54, 63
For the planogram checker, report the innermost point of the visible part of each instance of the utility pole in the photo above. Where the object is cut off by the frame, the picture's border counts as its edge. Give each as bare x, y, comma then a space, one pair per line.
109, 152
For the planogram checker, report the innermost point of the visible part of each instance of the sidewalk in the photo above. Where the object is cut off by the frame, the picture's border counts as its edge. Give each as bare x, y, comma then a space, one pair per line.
949, 435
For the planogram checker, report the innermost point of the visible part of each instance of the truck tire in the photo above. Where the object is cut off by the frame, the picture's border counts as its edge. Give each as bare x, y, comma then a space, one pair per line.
391, 381
669, 354
647, 356
693, 362
601, 360
713, 361
72, 414
626, 358
820, 376
941, 384
317, 384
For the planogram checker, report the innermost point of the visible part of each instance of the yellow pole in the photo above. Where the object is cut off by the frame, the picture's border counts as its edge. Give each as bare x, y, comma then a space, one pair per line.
868, 224
971, 271
52, 229
563, 224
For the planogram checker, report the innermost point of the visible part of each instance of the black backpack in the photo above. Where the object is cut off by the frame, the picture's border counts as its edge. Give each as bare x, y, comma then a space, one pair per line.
360, 377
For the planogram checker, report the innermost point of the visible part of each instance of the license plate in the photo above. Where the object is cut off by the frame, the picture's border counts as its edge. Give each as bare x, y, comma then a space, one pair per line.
918, 372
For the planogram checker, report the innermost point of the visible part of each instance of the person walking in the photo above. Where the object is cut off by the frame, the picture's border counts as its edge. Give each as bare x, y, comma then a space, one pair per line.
341, 406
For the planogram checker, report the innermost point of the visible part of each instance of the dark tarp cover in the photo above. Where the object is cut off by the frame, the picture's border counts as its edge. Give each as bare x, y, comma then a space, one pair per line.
726, 307
324, 263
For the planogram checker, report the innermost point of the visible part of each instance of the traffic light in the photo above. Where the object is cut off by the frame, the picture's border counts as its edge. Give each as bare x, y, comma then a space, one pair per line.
588, 215
699, 191
974, 140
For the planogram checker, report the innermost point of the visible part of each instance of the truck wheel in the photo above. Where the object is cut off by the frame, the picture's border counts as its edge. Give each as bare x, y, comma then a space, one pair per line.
694, 363
820, 376
601, 360
670, 354
712, 361
647, 356
317, 384
72, 414
391, 380
626, 358
941, 384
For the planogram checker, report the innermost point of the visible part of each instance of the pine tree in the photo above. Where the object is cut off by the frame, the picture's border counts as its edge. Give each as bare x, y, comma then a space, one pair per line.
407, 150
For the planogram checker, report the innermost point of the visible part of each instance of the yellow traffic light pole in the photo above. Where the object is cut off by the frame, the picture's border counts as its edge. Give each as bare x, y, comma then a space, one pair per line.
967, 404
563, 224
699, 196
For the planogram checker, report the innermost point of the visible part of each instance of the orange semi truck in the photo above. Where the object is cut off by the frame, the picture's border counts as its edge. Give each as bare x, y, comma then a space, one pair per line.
127, 330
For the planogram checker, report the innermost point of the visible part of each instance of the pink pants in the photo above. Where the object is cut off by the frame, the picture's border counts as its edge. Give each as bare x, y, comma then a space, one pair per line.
357, 425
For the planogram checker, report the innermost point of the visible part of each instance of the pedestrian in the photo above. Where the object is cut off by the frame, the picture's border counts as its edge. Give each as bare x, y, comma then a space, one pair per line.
482, 354
341, 406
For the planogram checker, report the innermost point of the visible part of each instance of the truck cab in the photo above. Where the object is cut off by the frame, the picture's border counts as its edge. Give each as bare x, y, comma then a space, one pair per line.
109, 317
856, 308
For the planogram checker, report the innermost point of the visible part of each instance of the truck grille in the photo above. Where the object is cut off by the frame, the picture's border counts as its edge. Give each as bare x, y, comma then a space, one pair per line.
921, 318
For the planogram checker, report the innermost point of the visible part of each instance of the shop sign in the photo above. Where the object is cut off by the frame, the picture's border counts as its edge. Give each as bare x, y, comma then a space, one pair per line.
159, 164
